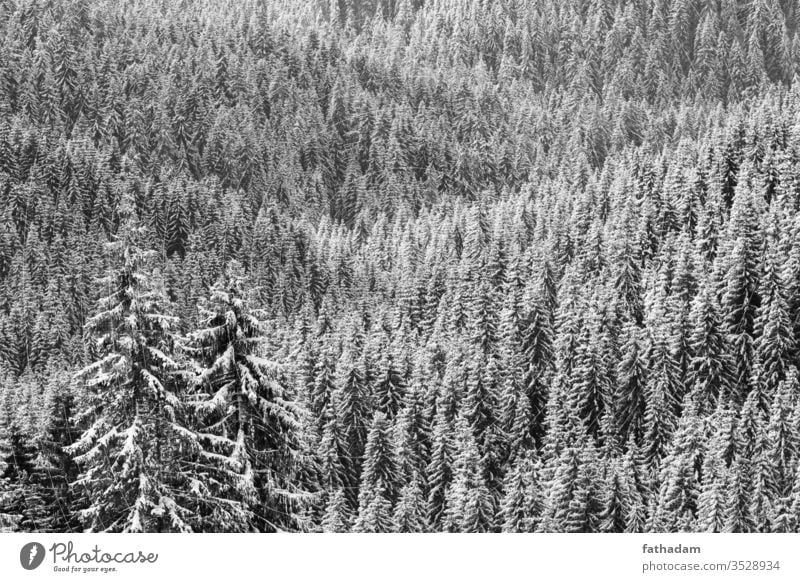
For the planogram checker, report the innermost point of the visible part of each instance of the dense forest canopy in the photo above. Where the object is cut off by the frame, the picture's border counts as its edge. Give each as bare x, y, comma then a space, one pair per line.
400, 265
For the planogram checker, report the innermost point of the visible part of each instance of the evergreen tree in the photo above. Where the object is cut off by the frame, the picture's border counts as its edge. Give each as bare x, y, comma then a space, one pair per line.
130, 455
410, 511
440, 468
22, 507
709, 365
249, 425
60, 432
469, 505
336, 518
521, 505
378, 487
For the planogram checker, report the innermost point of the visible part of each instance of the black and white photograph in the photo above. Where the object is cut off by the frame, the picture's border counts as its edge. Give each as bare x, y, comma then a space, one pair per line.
399, 266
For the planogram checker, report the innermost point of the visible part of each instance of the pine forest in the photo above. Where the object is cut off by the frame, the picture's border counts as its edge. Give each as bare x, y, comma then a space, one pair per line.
400, 266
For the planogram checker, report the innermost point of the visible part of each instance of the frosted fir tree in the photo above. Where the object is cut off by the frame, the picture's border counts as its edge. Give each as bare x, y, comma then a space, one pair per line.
379, 480
590, 383
614, 500
469, 504
629, 394
710, 361
781, 451
440, 467
661, 391
352, 405
775, 341
130, 456
22, 507
376, 515
711, 512
521, 505
390, 385
742, 496
249, 425
59, 431
712, 503
480, 408
570, 503
331, 454
411, 510
740, 301
633, 473
410, 437
676, 508
321, 393
337, 514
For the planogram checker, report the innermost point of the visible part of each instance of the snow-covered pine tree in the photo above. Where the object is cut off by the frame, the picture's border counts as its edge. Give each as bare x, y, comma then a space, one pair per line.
521, 506
410, 513
21, 493
775, 341
59, 431
709, 366
248, 424
469, 504
337, 514
378, 488
741, 487
712, 504
614, 500
740, 294
635, 488
440, 467
631, 373
782, 449
676, 508
131, 453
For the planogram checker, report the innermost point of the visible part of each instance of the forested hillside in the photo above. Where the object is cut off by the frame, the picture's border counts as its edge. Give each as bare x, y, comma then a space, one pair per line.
400, 265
